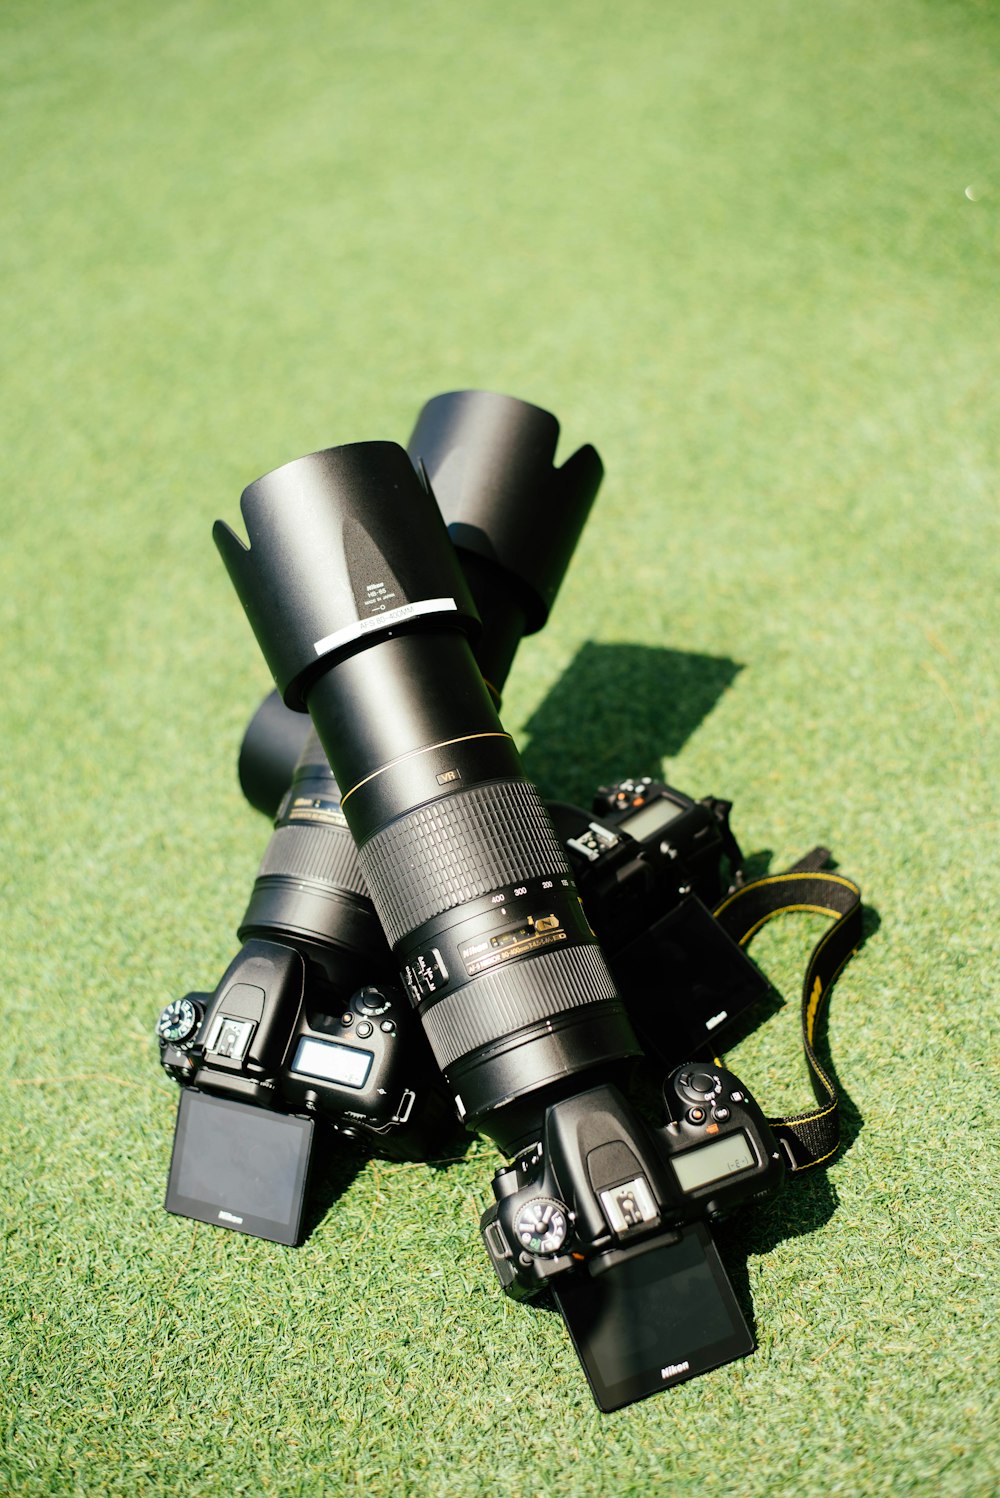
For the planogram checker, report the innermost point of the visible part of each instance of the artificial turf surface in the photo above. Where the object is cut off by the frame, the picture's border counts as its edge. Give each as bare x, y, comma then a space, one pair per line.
749, 251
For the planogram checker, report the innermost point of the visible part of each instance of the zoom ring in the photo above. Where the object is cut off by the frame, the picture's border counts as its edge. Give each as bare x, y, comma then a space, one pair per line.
320, 855
494, 1006
456, 849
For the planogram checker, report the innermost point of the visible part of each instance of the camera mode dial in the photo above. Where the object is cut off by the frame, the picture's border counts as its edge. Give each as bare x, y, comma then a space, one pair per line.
178, 1022
541, 1226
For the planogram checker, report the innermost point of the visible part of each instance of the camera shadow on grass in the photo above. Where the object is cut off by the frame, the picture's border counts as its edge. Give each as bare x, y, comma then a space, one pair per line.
338, 1160
617, 711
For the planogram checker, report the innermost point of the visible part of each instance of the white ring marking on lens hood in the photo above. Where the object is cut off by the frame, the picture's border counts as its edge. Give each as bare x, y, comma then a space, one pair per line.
363, 627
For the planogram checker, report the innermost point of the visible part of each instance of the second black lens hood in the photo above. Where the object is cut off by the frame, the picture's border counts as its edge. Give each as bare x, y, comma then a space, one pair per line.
490, 459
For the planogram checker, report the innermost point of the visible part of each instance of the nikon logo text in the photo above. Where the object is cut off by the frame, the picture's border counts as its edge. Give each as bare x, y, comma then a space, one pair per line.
230, 1217
672, 1369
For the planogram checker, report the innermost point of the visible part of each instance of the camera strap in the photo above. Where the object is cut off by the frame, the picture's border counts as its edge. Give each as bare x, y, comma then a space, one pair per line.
812, 1136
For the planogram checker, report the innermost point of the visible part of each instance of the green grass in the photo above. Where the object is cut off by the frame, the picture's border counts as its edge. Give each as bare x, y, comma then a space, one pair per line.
749, 251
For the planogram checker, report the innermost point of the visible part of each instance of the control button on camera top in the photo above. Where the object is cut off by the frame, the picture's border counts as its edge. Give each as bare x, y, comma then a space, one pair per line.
347, 1019
697, 1115
387, 1027
372, 1001
720, 1114
363, 1029
699, 1084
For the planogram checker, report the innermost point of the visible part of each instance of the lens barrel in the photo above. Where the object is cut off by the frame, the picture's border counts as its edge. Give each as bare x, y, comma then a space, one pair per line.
358, 603
309, 888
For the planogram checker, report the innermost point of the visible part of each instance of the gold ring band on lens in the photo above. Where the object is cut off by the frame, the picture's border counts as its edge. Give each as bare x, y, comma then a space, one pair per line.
428, 749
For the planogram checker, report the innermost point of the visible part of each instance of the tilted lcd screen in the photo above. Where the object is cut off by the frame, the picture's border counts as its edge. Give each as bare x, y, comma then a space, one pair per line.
239, 1166
654, 1320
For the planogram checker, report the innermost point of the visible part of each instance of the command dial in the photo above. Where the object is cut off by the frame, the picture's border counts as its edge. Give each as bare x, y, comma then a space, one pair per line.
178, 1022
542, 1226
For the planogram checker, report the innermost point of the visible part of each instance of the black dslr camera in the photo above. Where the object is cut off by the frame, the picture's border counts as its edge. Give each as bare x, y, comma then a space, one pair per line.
276, 1036
651, 864
643, 848
474, 887
610, 1214
273, 1034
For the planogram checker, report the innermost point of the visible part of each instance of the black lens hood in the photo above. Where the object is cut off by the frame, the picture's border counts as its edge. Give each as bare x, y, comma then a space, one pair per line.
490, 460
346, 545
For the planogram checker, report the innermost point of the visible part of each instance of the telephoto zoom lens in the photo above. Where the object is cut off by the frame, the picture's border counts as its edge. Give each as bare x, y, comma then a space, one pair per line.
491, 462
360, 608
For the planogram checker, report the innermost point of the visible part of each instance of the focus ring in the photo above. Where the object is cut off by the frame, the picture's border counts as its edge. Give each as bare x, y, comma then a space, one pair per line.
456, 849
495, 1005
321, 855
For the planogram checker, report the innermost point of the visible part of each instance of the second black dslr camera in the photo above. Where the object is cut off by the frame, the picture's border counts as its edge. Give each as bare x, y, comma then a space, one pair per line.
278, 1034
651, 864
275, 1052
610, 1214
